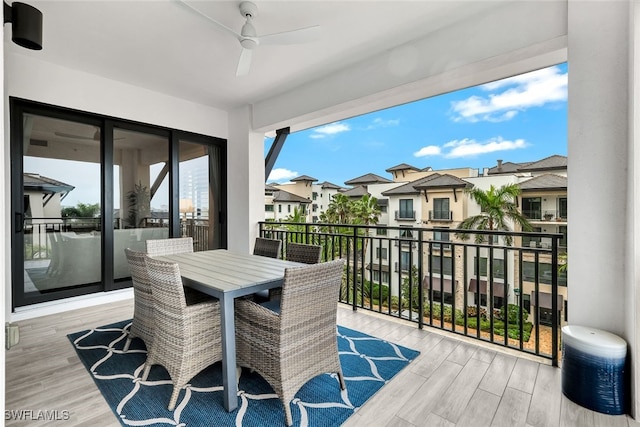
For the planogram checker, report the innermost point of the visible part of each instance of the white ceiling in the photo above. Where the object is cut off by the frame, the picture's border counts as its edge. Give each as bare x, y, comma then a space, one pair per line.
166, 47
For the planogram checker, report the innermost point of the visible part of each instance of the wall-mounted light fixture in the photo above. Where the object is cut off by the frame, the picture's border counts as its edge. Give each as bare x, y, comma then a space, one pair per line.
26, 21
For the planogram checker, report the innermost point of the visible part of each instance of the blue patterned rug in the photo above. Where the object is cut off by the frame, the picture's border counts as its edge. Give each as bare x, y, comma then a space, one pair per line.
368, 363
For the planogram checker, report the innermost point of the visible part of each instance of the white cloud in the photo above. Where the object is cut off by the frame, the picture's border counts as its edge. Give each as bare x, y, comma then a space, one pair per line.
430, 150
281, 175
470, 147
329, 130
519, 93
382, 123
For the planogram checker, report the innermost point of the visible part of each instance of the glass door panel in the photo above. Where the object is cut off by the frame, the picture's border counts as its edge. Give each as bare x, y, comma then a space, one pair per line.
141, 193
61, 193
199, 194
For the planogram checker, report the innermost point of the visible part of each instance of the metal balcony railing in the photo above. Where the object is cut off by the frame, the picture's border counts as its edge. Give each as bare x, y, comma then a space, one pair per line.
405, 215
442, 288
440, 216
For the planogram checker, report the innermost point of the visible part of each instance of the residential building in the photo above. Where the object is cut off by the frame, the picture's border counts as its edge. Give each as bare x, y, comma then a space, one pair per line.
281, 204
438, 200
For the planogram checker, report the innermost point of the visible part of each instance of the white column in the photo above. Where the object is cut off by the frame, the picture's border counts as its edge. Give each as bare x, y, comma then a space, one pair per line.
602, 285
632, 320
245, 175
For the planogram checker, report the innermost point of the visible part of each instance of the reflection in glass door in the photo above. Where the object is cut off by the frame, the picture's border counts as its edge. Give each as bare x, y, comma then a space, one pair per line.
141, 196
61, 205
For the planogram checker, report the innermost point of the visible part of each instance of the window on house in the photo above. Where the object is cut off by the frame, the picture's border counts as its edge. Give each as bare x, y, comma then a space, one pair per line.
562, 207
441, 265
563, 240
498, 302
279, 208
441, 209
288, 208
498, 267
385, 277
544, 273
381, 253
405, 261
268, 208
383, 209
441, 235
314, 195
381, 231
446, 298
532, 207
406, 209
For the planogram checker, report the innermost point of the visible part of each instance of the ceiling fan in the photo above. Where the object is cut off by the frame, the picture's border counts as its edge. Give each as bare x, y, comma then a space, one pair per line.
249, 38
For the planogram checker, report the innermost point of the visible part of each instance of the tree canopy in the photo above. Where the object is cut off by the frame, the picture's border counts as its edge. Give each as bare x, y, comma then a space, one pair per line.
498, 210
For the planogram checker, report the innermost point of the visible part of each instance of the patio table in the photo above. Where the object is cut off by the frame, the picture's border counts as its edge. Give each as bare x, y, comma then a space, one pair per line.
228, 275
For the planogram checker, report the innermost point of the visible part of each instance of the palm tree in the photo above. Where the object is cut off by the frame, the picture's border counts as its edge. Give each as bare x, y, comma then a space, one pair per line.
297, 217
339, 210
497, 210
366, 210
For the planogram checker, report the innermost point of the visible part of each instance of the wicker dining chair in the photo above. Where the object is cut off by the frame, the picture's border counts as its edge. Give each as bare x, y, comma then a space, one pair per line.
267, 247
289, 347
300, 252
175, 245
186, 337
172, 246
142, 324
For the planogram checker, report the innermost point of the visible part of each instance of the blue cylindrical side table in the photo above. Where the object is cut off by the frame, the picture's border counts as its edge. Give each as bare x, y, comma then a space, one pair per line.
594, 369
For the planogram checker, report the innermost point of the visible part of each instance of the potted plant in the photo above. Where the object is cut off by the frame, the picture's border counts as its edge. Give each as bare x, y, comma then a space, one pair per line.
139, 205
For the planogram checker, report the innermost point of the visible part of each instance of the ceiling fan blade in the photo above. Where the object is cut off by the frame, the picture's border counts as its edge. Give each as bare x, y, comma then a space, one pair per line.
208, 18
302, 35
95, 137
244, 63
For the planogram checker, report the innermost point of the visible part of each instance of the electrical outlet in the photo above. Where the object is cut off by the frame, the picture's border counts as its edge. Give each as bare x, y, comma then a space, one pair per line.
11, 335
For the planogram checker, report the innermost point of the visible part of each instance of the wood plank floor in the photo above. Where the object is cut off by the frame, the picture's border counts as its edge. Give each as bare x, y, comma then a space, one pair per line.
453, 382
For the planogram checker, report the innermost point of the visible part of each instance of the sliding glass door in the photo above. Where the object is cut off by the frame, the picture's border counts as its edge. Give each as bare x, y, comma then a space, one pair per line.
61, 195
85, 187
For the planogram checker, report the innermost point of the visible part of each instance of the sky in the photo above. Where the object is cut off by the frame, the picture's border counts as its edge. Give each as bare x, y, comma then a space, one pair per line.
518, 119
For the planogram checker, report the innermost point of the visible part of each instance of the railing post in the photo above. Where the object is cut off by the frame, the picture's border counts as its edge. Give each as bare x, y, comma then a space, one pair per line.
420, 290
554, 300
355, 267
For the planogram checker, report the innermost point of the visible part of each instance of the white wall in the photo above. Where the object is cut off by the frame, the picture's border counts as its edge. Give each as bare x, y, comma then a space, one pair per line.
52, 84
602, 291
633, 193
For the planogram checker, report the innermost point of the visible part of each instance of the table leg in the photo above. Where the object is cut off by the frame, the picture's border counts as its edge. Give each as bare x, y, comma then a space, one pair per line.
229, 376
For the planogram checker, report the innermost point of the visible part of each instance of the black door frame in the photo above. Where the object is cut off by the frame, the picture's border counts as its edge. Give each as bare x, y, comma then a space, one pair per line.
19, 107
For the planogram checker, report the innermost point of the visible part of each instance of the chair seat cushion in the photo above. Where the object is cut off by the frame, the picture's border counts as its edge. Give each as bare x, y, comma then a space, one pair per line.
273, 305
193, 296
